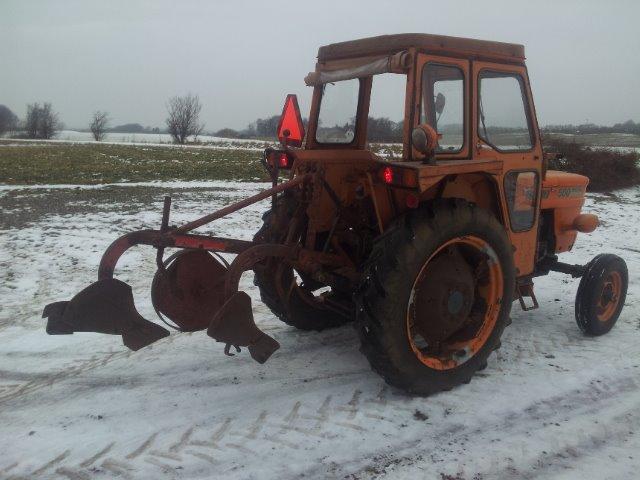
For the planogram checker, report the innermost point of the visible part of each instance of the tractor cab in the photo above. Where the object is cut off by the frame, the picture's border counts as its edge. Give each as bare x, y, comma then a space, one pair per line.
464, 117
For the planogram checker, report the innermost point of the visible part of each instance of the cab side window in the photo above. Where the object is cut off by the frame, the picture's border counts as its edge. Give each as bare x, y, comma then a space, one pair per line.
503, 122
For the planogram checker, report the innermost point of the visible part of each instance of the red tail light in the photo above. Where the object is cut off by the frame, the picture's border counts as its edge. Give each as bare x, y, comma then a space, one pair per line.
387, 175
280, 159
283, 161
399, 176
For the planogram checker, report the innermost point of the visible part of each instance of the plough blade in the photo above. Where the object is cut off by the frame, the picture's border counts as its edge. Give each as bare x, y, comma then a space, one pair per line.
233, 324
105, 306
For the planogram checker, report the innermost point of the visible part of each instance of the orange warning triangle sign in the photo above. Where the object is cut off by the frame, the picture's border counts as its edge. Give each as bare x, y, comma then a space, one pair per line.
290, 127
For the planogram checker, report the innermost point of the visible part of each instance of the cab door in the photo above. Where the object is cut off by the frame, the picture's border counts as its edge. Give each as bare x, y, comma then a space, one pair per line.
505, 128
442, 101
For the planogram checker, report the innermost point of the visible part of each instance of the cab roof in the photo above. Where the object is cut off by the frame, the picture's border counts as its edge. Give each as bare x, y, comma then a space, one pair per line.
389, 44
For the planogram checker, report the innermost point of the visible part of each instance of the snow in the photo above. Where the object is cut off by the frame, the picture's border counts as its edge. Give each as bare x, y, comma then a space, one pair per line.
142, 138
551, 404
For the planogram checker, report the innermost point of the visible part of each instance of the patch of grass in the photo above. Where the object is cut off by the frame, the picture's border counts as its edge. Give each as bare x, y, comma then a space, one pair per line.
95, 163
607, 169
60, 163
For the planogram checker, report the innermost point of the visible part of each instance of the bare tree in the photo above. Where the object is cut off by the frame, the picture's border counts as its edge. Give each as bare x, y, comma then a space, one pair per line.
49, 122
32, 120
184, 118
8, 120
98, 125
41, 121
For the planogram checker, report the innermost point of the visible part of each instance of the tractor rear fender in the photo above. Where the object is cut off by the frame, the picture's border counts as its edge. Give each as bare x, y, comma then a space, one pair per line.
487, 192
478, 188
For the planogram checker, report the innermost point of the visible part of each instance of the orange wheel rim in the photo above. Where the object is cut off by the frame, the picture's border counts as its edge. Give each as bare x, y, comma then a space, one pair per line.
459, 348
609, 297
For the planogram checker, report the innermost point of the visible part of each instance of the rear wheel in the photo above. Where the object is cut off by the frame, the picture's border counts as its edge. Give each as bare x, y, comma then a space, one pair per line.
601, 294
293, 297
437, 297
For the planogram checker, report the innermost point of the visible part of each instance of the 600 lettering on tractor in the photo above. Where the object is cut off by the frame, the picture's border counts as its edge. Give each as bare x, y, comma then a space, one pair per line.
425, 253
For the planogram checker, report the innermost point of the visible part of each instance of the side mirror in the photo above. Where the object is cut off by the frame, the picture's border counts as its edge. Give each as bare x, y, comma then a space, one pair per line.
441, 100
424, 139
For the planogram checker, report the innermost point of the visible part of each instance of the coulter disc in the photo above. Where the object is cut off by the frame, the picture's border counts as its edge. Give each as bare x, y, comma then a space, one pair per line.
190, 290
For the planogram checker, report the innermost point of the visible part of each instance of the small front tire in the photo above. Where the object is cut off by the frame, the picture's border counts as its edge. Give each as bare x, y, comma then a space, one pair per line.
601, 294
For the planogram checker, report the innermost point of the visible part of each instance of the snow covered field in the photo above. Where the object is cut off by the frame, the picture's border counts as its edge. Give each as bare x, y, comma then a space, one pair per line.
141, 139
160, 138
551, 404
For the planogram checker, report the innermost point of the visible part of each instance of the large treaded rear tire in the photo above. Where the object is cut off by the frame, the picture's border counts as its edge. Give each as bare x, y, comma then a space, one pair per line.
382, 300
298, 312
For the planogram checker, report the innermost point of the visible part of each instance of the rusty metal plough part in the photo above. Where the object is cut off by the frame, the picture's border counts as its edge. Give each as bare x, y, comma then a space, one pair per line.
192, 288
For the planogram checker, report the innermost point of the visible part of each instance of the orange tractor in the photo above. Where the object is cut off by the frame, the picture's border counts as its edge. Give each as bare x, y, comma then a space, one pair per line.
424, 252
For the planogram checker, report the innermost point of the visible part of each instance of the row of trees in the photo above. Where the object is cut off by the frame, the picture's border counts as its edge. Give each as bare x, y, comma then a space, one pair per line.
261, 128
183, 120
183, 123
626, 127
41, 121
8, 120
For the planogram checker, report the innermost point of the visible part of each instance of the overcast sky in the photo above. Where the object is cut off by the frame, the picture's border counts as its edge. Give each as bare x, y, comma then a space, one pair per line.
242, 57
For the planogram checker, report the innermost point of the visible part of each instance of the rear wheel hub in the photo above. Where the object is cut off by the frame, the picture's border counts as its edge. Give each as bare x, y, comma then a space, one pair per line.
608, 302
455, 302
444, 296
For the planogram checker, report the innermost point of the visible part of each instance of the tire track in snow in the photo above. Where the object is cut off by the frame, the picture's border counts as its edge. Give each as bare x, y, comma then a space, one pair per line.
13, 391
618, 431
589, 399
72, 474
296, 426
91, 460
10, 392
299, 424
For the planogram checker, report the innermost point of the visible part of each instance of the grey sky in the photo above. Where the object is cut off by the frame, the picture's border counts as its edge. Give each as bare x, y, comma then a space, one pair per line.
242, 57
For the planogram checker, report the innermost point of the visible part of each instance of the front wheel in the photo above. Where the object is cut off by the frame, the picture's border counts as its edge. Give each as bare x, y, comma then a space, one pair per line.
437, 297
601, 294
